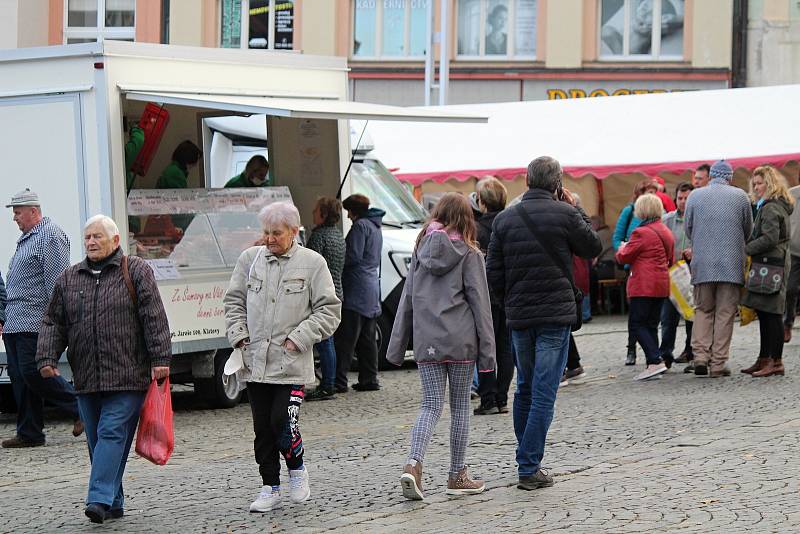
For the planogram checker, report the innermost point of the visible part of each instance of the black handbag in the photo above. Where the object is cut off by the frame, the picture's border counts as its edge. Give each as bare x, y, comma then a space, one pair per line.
554, 257
766, 275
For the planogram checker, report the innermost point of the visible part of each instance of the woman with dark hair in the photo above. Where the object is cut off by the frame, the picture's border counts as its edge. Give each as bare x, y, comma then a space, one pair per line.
493, 387
361, 289
626, 224
176, 174
327, 240
445, 304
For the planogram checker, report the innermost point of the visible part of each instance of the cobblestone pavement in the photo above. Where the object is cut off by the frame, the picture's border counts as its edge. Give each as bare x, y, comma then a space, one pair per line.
678, 454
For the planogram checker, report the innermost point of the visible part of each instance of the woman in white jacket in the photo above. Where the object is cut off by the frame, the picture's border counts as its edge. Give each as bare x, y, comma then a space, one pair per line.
280, 302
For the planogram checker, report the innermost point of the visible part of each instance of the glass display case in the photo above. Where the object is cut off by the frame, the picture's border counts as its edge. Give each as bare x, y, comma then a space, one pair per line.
197, 229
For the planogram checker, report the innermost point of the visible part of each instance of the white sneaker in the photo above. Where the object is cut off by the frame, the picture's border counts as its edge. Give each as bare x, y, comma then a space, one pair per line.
298, 485
651, 371
268, 499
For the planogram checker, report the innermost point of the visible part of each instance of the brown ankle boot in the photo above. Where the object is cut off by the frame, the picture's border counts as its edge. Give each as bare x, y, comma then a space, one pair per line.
411, 482
461, 484
774, 367
760, 364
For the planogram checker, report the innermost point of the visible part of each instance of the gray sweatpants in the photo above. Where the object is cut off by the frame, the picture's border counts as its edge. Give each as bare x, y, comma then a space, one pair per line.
434, 377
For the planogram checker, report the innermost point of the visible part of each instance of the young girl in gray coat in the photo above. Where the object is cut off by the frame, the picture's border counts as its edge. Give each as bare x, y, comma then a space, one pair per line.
445, 303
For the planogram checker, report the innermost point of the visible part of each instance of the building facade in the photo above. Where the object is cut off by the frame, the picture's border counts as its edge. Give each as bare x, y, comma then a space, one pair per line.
773, 42
499, 50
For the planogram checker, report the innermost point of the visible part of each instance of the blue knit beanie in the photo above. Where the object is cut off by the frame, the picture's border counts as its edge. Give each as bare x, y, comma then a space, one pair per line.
721, 169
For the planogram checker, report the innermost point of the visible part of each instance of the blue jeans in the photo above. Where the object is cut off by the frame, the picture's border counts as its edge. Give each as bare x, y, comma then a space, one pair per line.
541, 354
327, 362
30, 389
586, 310
670, 318
110, 420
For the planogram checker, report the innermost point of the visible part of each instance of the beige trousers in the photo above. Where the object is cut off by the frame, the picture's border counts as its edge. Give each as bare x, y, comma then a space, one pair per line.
715, 305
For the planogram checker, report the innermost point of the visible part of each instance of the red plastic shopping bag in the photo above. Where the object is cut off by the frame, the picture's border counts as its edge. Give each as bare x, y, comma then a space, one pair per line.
155, 438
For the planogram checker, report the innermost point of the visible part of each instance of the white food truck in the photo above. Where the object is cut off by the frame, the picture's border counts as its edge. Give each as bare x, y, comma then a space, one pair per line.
65, 112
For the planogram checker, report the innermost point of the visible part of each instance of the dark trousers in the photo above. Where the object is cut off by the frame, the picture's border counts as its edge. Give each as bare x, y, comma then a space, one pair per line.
770, 327
792, 287
645, 313
573, 356
493, 387
670, 318
276, 411
356, 336
30, 389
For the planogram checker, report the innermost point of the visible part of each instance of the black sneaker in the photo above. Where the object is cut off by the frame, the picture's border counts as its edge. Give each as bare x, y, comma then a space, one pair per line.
700, 369
689, 368
96, 512
321, 393
374, 386
539, 480
630, 359
486, 409
502, 408
341, 389
115, 513
667, 361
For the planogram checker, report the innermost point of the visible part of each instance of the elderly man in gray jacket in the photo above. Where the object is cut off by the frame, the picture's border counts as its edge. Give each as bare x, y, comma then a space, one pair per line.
719, 220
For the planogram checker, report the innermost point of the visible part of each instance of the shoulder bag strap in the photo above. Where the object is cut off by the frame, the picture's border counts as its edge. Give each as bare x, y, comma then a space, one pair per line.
554, 257
666, 248
126, 275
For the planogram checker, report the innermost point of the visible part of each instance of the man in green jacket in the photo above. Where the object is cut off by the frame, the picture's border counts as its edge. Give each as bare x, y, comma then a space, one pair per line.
254, 175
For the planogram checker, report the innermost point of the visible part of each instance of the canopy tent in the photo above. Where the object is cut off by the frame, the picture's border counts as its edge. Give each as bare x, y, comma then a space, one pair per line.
624, 137
650, 134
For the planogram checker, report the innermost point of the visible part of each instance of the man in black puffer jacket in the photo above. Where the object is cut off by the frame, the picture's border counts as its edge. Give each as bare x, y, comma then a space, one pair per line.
539, 301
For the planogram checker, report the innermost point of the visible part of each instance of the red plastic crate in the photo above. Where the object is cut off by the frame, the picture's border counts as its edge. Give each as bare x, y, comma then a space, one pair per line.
154, 122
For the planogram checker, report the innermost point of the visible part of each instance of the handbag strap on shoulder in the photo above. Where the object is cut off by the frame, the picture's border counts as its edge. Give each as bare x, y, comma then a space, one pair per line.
126, 275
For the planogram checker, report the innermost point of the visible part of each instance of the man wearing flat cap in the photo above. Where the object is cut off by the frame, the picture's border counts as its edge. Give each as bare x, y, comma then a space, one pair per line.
42, 255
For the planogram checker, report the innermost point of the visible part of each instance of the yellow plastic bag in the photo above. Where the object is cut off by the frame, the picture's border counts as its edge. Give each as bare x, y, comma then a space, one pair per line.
680, 290
746, 315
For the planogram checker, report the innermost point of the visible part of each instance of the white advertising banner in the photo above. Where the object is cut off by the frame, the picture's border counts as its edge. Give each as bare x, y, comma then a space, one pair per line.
194, 309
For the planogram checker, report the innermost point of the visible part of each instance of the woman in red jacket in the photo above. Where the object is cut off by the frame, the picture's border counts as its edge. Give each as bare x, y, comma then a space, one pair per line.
649, 252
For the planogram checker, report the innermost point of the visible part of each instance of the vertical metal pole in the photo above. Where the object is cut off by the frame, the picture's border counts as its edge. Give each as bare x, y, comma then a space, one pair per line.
444, 53
429, 54
244, 26
271, 26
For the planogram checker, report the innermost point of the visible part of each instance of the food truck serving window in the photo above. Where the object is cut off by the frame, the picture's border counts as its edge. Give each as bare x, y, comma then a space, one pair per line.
196, 228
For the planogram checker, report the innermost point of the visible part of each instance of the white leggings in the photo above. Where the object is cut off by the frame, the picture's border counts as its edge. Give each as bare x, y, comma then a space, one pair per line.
434, 377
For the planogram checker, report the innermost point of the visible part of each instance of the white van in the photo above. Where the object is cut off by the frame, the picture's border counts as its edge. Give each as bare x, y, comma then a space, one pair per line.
65, 108
234, 140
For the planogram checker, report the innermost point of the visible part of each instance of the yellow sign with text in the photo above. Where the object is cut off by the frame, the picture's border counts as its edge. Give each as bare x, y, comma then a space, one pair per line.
560, 94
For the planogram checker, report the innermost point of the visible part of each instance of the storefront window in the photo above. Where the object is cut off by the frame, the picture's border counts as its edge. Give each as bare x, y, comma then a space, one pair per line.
389, 28
641, 29
95, 20
265, 31
495, 29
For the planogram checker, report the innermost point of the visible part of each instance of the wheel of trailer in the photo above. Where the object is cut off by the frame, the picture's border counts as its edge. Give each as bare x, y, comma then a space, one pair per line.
213, 390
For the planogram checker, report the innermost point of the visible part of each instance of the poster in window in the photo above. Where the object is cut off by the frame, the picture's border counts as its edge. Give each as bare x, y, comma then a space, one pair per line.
672, 27
641, 20
497, 28
259, 24
612, 27
525, 28
469, 27
364, 28
284, 25
231, 24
